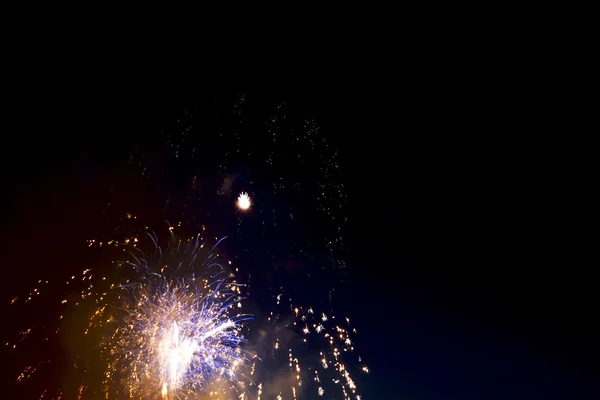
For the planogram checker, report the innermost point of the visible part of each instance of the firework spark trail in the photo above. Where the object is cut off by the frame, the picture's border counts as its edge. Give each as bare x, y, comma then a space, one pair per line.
331, 372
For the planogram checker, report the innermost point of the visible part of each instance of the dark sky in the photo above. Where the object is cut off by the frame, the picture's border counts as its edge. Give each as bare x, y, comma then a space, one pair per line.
468, 275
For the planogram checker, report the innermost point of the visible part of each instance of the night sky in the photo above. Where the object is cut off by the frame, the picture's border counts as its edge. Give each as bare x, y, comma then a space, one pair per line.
442, 228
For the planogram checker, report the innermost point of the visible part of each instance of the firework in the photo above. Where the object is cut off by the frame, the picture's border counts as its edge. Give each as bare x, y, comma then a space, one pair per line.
166, 324
169, 325
312, 352
177, 337
174, 333
244, 201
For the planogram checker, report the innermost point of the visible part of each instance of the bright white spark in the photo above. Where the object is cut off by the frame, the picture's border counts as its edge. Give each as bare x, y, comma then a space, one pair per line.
244, 202
176, 352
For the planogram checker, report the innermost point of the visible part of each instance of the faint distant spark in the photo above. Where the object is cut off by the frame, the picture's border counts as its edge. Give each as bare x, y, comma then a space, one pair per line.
244, 202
